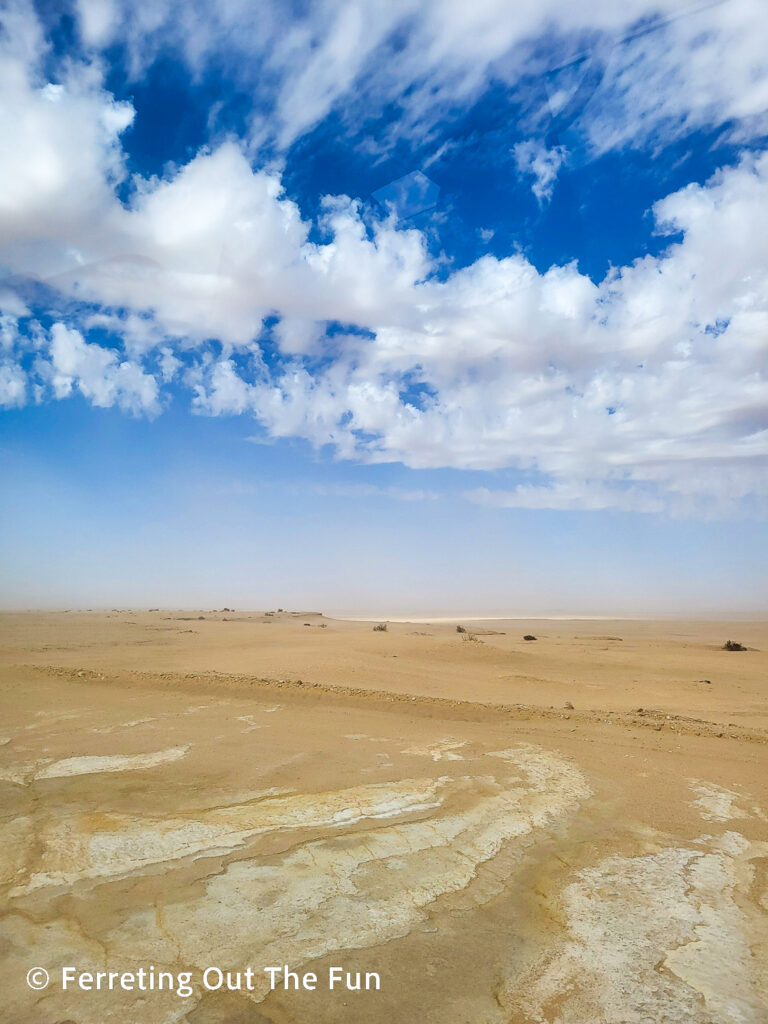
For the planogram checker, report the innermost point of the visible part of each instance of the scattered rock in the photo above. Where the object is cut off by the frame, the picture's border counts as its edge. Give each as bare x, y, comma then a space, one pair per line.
568, 706
529, 636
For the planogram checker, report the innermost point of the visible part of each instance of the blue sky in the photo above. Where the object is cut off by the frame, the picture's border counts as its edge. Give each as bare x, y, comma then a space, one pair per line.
407, 308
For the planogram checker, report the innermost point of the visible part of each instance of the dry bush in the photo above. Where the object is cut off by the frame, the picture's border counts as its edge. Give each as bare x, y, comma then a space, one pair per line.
381, 628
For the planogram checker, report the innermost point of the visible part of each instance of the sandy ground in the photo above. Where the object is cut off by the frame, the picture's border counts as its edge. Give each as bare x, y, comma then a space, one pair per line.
571, 830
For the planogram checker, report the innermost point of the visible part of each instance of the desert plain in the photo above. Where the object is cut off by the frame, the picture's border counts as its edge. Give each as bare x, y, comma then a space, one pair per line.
566, 830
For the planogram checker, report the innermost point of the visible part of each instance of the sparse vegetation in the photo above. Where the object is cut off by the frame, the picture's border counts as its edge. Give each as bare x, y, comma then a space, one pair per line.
381, 628
529, 636
472, 638
731, 645
460, 629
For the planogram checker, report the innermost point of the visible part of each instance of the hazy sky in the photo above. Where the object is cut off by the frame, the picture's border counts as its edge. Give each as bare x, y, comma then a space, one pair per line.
381, 308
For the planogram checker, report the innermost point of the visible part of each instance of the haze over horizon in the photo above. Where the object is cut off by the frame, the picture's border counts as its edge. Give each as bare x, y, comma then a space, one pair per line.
412, 308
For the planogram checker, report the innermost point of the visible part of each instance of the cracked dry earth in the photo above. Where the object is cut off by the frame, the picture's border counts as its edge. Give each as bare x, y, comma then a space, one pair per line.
489, 870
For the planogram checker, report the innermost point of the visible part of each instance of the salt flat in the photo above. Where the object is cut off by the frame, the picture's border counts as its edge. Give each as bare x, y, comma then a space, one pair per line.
244, 790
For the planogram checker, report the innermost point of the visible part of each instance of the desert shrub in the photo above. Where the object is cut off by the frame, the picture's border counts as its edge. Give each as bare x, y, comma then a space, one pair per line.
529, 636
460, 629
381, 628
731, 645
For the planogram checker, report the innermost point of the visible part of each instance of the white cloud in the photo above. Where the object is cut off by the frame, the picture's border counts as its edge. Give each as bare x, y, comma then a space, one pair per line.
299, 337
140, 333
701, 64
226, 393
648, 387
60, 159
99, 20
708, 67
169, 364
11, 305
652, 384
534, 159
13, 385
98, 374
211, 252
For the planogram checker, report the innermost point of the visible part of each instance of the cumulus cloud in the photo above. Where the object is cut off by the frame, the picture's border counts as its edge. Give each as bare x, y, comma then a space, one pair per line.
645, 378
60, 159
13, 385
652, 383
645, 390
97, 373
